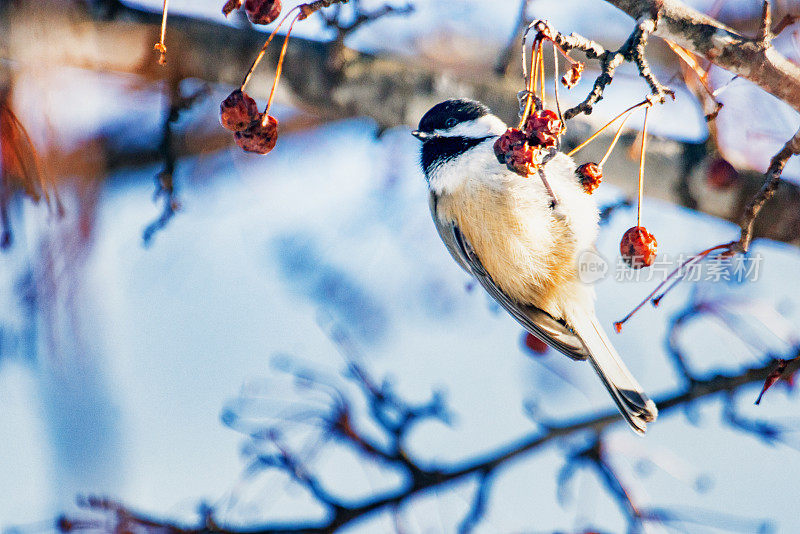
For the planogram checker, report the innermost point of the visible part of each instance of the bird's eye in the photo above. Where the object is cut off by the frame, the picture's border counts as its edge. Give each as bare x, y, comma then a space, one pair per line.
450, 122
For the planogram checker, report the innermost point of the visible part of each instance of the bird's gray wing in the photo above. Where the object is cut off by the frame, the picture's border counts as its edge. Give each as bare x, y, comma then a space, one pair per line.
535, 320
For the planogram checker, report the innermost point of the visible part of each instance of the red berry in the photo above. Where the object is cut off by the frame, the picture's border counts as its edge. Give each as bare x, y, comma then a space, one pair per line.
543, 128
262, 11
590, 174
544, 139
536, 345
238, 111
258, 138
511, 138
638, 247
721, 174
514, 149
520, 159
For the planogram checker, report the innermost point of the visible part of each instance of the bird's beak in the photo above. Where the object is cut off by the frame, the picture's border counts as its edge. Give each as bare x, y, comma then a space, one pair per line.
422, 136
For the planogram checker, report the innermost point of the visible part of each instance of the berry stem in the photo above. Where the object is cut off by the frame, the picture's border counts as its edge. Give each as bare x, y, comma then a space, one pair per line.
530, 80
541, 69
532, 77
263, 50
694, 259
616, 138
160, 46
525, 76
547, 187
606, 125
566, 56
555, 85
265, 119
534, 69
641, 169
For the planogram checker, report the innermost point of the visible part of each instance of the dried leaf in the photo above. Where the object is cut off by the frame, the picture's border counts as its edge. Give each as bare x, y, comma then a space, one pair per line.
573, 75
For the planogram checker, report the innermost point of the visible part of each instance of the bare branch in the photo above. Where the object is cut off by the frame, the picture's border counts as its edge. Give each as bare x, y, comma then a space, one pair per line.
765, 430
772, 180
423, 479
765, 31
165, 185
637, 55
594, 455
709, 38
784, 23
632, 50
607, 211
478, 508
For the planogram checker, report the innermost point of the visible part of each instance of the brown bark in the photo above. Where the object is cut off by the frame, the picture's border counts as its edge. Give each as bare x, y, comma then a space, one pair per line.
751, 58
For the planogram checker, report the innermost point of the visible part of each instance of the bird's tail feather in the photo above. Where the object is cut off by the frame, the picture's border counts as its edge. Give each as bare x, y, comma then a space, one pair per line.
633, 403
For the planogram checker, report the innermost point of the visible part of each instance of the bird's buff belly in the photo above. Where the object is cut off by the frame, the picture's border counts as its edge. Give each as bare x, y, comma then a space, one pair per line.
522, 249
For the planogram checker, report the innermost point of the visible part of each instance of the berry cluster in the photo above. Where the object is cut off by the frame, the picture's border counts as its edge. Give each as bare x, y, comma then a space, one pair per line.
522, 150
543, 128
253, 131
512, 149
638, 247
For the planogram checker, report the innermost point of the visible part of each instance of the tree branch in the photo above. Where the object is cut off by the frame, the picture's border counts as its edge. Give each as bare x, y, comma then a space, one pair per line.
767, 191
219, 54
753, 59
422, 479
632, 50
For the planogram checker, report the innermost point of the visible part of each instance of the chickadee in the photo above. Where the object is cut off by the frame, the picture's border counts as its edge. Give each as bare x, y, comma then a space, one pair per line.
506, 231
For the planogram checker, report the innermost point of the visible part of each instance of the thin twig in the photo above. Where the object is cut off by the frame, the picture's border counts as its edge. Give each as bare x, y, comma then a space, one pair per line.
767, 191
165, 185
632, 50
160, 47
765, 28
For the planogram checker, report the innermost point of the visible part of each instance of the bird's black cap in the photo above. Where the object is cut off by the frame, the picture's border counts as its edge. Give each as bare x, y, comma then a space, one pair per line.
437, 148
451, 112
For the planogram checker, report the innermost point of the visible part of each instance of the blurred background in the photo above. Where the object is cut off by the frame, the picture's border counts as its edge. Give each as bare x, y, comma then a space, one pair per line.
176, 314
